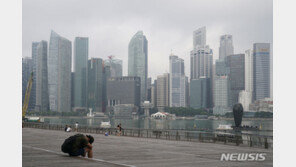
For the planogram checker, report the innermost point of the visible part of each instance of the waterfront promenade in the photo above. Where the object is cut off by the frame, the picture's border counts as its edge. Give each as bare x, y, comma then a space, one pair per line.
42, 148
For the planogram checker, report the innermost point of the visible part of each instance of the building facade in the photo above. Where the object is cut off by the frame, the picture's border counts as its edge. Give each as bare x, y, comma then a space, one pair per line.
27, 69
42, 97
138, 60
163, 91
80, 71
200, 93
115, 66
261, 71
221, 95
226, 46
59, 73
177, 82
199, 37
123, 90
236, 65
95, 84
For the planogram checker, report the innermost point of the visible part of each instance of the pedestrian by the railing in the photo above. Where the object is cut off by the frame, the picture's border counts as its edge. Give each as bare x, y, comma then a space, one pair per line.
76, 127
119, 129
69, 129
66, 127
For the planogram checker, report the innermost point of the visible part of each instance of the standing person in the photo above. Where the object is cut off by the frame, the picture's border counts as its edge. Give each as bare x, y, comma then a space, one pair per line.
78, 145
66, 127
69, 129
119, 129
76, 127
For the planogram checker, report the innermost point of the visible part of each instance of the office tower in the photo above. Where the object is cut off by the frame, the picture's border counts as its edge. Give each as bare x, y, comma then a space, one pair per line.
95, 84
201, 61
226, 46
261, 71
59, 73
200, 93
123, 90
115, 66
106, 76
42, 97
199, 37
177, 82
187, 100
80, 72
138, 60
72, 90
163, 91
245, 96
221, 95
27, 69
154, 94
32, 101
149, 88
236, 65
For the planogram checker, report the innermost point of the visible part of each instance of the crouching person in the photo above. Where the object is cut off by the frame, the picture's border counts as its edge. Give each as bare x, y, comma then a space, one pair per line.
78, 144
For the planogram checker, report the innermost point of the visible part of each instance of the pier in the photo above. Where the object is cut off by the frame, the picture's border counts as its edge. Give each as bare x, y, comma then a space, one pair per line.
41, 147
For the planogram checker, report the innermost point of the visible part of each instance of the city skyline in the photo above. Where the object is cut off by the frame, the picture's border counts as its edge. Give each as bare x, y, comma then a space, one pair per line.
109, 35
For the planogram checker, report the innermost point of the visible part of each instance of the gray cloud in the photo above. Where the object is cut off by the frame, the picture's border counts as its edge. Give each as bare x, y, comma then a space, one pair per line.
167, 24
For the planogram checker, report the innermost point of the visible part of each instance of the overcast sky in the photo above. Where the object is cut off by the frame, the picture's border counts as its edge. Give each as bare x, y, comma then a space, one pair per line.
167, 24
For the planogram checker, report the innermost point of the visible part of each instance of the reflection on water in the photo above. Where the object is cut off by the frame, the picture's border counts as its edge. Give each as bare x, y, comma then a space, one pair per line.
159, 123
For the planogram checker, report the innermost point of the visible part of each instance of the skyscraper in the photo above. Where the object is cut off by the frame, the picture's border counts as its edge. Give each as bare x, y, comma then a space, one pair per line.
221, 95
201, 61
27, 69
42, 97
226, 46
200, 93
95, 84
115, 66
261, 71
32, 101
59, 73
138, 60
80, 71
199, 37
236, 65
245, 96
163, 91
177, 82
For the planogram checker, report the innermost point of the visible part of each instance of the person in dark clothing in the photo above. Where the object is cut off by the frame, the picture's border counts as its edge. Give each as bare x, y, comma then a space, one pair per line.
78, 144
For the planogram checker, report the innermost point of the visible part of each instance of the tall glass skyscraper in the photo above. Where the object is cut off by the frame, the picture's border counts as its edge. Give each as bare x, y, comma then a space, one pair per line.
138, 60
59, 73
199, 37
226, 46
80, 71
261, 71
42, 98
177, 82
115, 67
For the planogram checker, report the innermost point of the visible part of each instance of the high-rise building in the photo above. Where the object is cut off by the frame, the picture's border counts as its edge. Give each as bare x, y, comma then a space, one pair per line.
123, 90
221, 95
95, 84
226, 46
177, 82
42, 97
187, 92
149, 88
32, 101
245, 96
200, 93
154, 94
199, 37
261, 71
201, 62
163, 91
27, 69
80, 72
115, 66
59, 73
236, 65
138, 60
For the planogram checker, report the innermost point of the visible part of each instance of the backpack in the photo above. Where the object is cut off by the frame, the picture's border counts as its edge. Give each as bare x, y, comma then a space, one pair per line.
68, 143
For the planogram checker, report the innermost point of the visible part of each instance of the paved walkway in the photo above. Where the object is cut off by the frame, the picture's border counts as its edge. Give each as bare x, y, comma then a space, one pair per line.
43, 148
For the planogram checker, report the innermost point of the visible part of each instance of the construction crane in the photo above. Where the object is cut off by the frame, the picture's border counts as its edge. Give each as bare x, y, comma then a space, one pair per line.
27, 95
